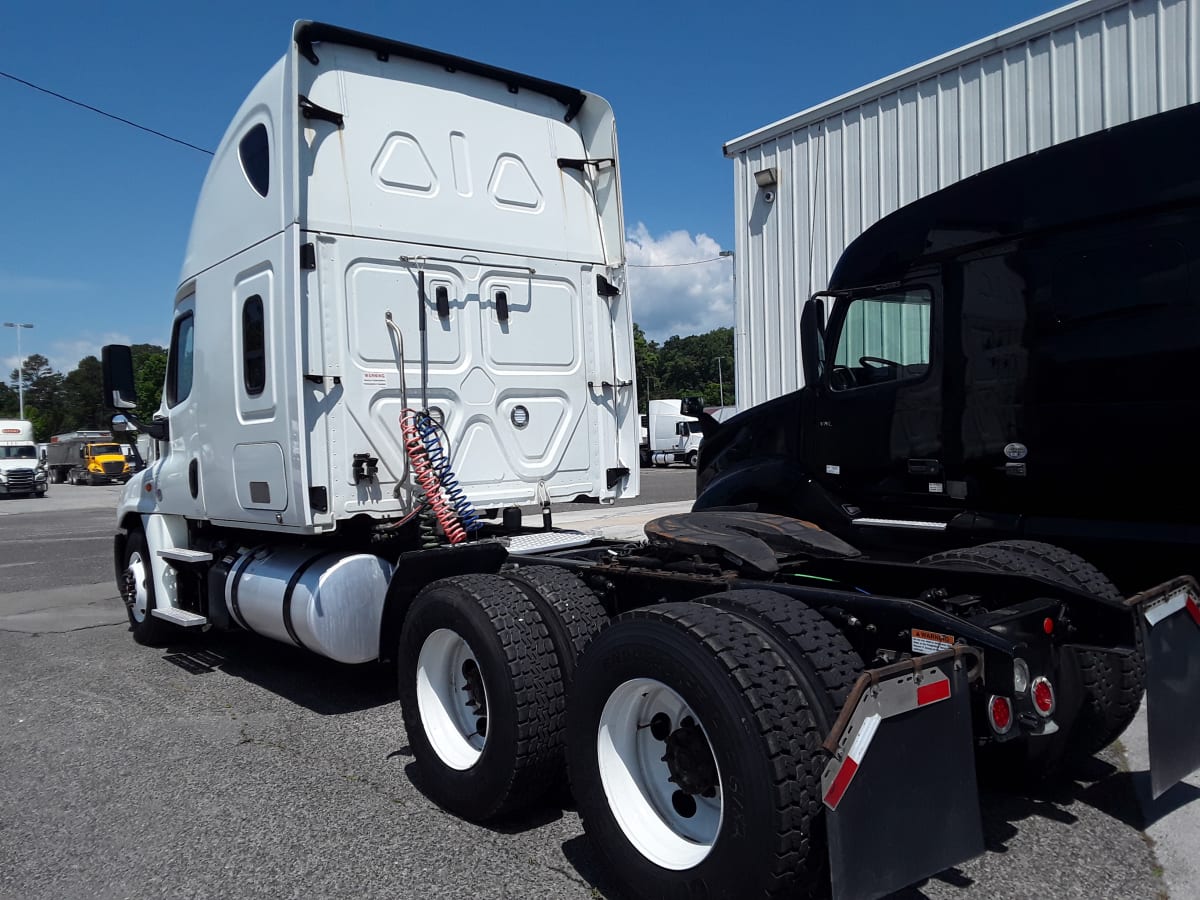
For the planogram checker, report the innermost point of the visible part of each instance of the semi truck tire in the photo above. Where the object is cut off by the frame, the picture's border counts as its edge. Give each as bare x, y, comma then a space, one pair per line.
691, 753
1112, 689
692, 458
571, 610
138, 593
482, 696
815, 646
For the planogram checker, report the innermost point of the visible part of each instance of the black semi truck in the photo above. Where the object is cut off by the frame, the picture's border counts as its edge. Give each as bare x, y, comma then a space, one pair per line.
1008, 358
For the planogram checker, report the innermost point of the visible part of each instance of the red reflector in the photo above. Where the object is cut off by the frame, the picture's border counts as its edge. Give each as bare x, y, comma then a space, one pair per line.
1048, 625
1000, 712
1193, 608
840, 783
932, 693
1043, 696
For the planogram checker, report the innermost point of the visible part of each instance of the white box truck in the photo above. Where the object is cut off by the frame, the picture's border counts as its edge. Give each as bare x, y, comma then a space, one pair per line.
403, 298
21, 469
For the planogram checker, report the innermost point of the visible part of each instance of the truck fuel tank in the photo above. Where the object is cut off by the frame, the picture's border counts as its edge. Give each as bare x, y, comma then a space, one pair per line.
329, 602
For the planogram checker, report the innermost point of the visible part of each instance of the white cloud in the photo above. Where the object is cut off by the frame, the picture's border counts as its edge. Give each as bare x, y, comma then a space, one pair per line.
669, 298
64, 354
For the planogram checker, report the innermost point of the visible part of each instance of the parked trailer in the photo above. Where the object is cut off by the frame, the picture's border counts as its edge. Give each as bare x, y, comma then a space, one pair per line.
685, 684
807, 185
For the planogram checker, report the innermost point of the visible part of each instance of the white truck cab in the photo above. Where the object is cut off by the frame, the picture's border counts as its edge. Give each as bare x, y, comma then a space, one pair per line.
22, 470
385, 231
669, 436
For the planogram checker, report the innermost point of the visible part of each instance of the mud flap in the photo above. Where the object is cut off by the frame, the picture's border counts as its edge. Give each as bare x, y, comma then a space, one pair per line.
1170, 622
900, 793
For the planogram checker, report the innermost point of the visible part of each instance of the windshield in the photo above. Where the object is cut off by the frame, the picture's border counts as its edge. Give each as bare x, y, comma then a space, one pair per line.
18, 452
103, 449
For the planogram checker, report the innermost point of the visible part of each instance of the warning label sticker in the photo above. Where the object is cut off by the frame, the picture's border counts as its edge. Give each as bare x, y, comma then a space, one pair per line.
930, 641
375, 379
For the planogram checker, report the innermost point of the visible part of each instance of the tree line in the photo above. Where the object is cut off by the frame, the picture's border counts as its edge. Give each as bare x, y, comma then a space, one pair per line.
56, 403
685, 367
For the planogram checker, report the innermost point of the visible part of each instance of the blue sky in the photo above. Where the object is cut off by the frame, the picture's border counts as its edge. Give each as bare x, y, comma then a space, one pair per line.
95, 214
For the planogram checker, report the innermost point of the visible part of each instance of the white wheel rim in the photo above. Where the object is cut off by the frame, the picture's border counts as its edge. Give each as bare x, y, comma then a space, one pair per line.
636, 778
447, 699
141, 596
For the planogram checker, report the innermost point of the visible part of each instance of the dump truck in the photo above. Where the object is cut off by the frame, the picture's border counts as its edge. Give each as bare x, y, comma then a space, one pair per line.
740, 701
87, 457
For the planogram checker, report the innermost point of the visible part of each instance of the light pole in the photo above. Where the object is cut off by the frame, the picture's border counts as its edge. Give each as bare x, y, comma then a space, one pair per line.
20, 366
721, 380
733, 261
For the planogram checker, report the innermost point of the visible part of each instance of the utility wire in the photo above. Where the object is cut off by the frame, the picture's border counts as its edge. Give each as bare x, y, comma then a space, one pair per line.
108, 115
694, 262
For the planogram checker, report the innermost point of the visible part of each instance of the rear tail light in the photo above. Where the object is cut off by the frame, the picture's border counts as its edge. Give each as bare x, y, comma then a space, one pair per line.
1043, 696
1000, 714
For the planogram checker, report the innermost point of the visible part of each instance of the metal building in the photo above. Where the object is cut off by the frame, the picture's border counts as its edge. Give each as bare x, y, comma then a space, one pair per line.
807, 185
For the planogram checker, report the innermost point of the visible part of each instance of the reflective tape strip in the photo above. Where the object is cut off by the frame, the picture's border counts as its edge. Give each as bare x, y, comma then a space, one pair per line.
1193, 609
858, 749
932, 693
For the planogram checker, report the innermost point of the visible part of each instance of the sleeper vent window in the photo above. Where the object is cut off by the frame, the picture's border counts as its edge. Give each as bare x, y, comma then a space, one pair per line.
254, 346
255, 153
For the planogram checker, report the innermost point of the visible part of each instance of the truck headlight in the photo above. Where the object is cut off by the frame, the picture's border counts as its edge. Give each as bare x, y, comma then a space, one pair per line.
39, 475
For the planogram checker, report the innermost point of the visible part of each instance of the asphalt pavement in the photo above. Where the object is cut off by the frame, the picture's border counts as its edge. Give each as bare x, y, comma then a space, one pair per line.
235, 766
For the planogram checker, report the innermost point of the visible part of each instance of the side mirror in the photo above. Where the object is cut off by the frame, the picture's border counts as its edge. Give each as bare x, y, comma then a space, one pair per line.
116, 363
681, 428
812, 339
692, 406
120, 423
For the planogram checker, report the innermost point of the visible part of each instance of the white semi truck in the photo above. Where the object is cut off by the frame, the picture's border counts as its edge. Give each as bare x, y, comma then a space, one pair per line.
21, 469
404, 300
668, 436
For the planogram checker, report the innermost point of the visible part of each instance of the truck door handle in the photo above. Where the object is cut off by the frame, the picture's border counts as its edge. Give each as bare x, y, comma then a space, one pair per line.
924, 467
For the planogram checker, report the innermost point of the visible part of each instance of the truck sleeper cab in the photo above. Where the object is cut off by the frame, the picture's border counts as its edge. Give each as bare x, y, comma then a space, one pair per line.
1003, 358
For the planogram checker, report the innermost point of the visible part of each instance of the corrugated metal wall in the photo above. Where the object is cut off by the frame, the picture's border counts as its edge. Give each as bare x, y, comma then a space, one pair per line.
846, 163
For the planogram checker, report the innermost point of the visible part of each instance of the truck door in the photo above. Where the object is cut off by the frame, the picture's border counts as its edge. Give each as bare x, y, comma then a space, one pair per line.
878, 411
180, 480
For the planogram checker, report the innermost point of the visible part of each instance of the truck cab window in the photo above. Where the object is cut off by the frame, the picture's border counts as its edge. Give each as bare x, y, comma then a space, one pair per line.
254, 346
179, 367
883, 338
254, 151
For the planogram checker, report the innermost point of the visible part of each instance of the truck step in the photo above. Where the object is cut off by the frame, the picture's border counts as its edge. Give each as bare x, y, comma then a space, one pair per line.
184, 555
180, 617
901, 523
521, 544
